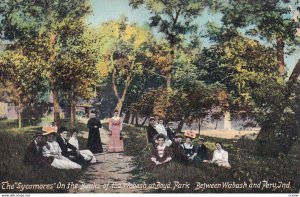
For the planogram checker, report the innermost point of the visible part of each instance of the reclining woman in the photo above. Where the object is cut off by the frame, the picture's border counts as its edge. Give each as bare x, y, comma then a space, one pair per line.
87, 154
52, 149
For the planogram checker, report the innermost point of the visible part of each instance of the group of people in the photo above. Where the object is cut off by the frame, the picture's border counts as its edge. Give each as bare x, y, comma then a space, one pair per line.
54, 149
169, 145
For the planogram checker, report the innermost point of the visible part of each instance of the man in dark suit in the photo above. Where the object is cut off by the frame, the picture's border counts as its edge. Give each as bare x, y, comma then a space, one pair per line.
33, 154
151, 131
202, 154
67, 149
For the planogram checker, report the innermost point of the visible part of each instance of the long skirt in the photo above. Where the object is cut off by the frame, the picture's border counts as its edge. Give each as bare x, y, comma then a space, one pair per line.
115, 144
88, 156
65, 164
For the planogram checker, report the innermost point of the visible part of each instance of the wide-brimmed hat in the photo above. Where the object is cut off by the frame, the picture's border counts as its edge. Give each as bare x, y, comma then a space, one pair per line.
49, 129
190, 134
160, 135
178, 135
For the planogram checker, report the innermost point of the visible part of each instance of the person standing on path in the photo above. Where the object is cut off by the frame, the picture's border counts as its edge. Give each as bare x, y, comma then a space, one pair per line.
115, 143
94, 141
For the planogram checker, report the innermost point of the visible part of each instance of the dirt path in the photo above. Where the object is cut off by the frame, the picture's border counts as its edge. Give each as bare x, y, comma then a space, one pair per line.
111, 175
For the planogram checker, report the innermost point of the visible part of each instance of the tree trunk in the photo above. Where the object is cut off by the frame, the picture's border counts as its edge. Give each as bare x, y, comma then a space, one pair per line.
132, 118
20, 114
122, 98
73, 113
216, 124
143, 123
127, 116
180, 125
267, 141
29, 113
52, 39
56, 105
280, 55
199, 125
136, 119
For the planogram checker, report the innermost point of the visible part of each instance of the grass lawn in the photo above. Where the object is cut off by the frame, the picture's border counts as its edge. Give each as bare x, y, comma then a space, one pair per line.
247, 167
21, 178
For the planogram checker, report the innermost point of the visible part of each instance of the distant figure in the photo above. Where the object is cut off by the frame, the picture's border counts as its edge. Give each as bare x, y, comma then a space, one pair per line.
52, 150
170, 131
201, 152
34, 155
115, 143
220, 156
160, 128
68, 150
151, 131
94, 140
161, 154
87, 154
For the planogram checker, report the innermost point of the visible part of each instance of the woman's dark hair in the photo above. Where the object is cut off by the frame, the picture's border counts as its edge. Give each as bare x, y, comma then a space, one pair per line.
61, 129
218, 143
116, 111
161, 136
74, 130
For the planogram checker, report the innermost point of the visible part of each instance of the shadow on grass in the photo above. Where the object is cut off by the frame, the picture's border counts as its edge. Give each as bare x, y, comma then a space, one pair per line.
247, 167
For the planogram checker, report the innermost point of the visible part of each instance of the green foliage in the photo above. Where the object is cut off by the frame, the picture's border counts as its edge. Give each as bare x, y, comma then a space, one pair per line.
240, 64
278, 114
269, 18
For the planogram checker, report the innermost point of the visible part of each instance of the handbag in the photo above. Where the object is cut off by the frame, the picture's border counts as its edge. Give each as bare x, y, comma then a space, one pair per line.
121, 136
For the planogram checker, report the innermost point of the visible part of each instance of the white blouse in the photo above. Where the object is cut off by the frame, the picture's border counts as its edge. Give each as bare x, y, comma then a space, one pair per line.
53, 151
220, 155
161, 129
74, 141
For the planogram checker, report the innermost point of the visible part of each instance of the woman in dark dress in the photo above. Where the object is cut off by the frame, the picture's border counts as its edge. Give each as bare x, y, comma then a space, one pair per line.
94, 141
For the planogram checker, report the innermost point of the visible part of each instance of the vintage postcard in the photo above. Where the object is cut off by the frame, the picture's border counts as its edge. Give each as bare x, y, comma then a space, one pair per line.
149, 96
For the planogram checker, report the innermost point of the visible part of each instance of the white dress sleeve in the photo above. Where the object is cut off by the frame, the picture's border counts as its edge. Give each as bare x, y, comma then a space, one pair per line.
74, 142
214, 156
46, 152
225, 156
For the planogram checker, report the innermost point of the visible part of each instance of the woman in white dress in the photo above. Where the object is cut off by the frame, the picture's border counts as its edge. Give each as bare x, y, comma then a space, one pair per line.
87, 154
220, 156
162, 130
52, 149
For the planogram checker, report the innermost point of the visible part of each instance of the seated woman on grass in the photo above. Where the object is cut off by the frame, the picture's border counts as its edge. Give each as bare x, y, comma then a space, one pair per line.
52, 149
220, 156
87, 154
161, 154
189, 148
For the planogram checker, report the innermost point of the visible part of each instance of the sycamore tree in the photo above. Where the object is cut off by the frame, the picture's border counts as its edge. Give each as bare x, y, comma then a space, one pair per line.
124, 56
77, 65
43, 19
269, 20
239, 63
174, 19
22, 75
